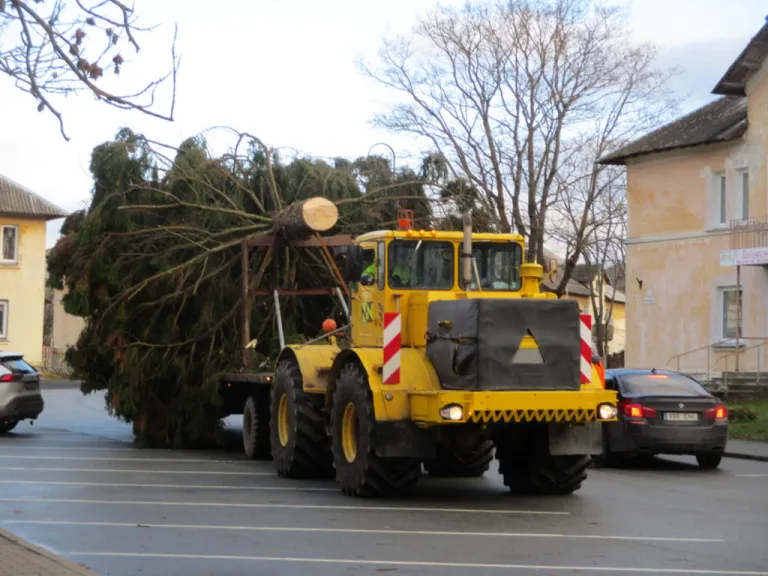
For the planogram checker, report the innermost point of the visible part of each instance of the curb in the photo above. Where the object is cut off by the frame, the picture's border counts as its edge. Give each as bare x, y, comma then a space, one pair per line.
742, 456
72, 567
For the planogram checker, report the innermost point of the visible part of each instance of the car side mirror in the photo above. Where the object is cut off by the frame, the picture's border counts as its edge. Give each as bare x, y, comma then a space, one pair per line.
353, 265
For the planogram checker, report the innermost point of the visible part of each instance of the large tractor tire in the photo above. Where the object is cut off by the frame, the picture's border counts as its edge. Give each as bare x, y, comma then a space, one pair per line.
300, 445
471, 463
538, 472
256, 442
359, 471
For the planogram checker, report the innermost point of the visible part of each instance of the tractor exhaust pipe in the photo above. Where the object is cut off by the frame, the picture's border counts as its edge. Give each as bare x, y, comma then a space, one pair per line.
466, 257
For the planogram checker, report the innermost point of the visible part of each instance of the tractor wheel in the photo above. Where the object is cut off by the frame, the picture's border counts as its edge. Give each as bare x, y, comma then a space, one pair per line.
256, 427
6, 427
461, 464
359, 471
299, 442
538, 472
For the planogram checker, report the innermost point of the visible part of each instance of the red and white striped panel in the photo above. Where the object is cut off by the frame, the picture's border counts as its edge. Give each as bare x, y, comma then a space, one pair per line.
391, 370
586, 348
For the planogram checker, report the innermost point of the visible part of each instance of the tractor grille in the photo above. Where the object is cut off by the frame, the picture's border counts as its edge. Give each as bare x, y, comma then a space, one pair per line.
517, 416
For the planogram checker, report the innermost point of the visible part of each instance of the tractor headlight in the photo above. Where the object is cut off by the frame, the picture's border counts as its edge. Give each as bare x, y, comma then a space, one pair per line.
452, 412
607, 412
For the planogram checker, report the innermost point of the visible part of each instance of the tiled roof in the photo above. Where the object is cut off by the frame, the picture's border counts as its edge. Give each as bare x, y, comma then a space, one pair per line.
18, 200
734, 81
723, 120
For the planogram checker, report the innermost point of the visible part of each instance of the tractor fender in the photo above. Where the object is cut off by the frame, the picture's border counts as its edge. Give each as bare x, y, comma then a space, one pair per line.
390, 401
315, 363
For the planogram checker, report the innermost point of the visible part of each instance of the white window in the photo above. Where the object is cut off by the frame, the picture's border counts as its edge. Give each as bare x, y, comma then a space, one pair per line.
721, 199
731, 304
744, 175
3, 319
9, 244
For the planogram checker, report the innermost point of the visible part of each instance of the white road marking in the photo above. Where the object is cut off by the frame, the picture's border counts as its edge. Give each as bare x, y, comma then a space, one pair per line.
284, 506
533, 567
362, 531
175, 486
751, 475
129, 471
63, 446
108, 459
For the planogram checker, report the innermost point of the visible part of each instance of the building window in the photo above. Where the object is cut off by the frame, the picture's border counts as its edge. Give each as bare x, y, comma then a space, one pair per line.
3, 319
9, 244
721, 199
731, 300
744, 195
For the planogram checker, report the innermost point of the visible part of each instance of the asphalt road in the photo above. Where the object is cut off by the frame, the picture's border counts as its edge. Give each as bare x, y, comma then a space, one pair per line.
72, 484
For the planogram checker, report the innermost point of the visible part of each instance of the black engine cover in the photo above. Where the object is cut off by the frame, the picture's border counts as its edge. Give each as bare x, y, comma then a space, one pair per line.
472, 344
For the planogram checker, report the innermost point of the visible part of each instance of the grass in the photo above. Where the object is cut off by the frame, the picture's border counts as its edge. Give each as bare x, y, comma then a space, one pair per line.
741, 428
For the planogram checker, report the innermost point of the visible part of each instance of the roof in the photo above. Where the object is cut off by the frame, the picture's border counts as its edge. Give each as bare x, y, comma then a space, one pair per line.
734, 81
723, 120
17, 200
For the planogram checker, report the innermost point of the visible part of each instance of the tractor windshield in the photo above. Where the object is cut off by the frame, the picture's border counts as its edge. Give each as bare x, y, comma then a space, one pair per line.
498, 265
420, 265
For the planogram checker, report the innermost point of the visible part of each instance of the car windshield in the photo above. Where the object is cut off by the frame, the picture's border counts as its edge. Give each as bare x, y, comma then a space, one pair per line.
660, 385
421, 265
498, 265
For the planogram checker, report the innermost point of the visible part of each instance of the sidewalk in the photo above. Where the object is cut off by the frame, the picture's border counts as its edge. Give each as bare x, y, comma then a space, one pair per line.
20, 558
747, 449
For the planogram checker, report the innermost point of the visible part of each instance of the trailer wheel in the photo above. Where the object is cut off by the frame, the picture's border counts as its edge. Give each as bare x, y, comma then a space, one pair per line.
6, 427
359, 471
300, 445
256, 427
538, 472
471, 463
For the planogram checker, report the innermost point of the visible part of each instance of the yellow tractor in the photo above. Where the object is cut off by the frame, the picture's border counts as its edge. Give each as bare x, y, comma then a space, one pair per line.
453, 353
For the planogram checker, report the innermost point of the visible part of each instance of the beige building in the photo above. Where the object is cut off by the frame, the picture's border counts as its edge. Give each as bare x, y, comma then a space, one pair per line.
23, 217
697, 206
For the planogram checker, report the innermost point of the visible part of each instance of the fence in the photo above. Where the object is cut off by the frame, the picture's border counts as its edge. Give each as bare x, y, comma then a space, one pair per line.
54, 362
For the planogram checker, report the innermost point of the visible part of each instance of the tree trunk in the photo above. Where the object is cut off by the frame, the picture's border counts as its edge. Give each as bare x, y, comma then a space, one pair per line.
302, 218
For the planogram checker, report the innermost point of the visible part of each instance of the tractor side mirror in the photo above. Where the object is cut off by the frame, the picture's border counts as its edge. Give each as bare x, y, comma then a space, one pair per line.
353, 265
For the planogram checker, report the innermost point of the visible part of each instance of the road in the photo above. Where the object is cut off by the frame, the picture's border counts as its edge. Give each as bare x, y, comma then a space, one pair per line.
72, 483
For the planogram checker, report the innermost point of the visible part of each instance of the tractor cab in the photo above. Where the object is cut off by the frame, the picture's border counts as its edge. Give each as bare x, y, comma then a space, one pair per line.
404, 270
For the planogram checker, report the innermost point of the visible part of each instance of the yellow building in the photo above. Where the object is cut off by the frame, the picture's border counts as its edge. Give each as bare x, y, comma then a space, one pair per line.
698, 205
23, 218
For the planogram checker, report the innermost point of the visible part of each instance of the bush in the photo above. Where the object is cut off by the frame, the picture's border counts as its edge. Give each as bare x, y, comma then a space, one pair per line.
742, 414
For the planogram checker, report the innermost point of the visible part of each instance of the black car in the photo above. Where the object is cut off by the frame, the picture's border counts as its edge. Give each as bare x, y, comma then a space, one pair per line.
663, 412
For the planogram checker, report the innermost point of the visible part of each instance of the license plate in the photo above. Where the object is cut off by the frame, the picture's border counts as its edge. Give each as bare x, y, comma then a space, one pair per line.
681, 416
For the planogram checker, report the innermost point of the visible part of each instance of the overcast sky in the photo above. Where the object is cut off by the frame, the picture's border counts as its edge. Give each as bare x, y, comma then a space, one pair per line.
286, 71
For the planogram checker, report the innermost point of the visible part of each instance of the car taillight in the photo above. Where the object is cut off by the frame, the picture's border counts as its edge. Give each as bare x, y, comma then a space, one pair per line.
638, 411
10, 377
719, 412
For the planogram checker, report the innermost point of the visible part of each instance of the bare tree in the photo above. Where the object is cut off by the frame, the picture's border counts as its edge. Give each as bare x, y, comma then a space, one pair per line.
521, 98
54, 48
604, 257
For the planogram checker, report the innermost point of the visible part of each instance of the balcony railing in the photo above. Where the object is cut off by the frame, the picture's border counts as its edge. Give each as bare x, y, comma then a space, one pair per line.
748, 233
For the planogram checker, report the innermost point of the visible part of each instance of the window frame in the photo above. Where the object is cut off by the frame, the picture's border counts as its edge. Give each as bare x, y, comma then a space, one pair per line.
722, 199
15, 260
5, 305
744, 193
519, 262
723, 312
402, 241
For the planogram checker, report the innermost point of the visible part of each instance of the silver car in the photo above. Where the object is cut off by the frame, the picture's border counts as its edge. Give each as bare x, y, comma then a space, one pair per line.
20, 397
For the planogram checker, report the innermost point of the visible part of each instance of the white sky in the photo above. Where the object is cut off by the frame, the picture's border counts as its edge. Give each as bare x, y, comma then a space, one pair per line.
286, 71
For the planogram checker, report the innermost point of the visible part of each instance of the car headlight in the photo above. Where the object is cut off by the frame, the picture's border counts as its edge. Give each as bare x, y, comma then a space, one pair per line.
452, 412
607, 412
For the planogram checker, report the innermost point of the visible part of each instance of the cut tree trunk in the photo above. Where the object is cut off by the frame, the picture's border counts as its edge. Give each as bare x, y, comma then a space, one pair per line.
301, 219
